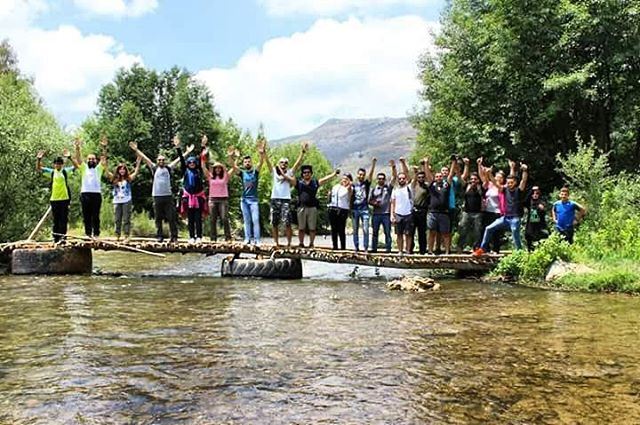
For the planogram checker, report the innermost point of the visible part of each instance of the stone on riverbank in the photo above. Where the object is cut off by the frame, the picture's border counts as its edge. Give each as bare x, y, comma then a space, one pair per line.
561, 268
413, 284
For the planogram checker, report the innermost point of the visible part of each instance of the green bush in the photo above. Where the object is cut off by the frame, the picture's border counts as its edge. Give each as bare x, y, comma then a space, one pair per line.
604, 281
531, 266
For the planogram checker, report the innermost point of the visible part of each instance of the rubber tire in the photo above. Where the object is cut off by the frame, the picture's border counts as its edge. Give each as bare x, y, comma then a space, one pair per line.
278, 268
52, 261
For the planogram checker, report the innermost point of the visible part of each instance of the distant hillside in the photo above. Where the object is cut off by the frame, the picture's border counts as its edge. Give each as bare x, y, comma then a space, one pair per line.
351, 143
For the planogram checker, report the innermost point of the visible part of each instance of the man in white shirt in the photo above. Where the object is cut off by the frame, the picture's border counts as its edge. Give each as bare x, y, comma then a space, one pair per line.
283, 181
91, 190
401, 209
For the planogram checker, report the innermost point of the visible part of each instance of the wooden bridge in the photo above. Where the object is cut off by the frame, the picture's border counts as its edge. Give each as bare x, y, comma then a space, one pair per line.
74, 250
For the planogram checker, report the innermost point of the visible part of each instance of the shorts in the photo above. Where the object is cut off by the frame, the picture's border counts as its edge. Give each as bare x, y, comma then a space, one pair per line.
439, 222
307, 218
280, 212
404, 224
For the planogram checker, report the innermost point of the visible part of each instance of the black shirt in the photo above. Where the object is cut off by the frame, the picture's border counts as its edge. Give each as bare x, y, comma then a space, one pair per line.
439, 196
307, 193
473, 198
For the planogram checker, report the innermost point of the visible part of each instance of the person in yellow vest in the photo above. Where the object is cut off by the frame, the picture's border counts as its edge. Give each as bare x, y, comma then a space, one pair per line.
60, 193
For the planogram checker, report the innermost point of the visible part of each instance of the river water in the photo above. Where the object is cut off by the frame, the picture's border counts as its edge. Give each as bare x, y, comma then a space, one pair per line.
170, 342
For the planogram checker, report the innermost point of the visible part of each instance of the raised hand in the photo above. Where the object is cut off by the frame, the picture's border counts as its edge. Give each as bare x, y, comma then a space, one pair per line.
104, 142
40, 154
77, 142
374, 159
204, 141
189, 149
305, 146
65, 152
479, 161
133, 145
392, 163
524, 167
176, 141
402, 159
512, 163
262, 145
466, 161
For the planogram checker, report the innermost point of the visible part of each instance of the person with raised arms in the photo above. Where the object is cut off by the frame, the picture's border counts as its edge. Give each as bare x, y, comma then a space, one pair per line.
91, 189
360, 205
193, 201
401, 213
514, 194
163, 202
218, 179
283, 181
438, 216
60, 197
122, 198
380, 200
249, 202
307, 188
470, 227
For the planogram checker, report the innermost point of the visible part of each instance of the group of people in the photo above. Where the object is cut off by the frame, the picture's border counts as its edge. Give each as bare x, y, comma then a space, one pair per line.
418, 200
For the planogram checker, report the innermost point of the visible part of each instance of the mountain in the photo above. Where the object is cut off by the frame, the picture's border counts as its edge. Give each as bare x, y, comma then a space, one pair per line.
351, 143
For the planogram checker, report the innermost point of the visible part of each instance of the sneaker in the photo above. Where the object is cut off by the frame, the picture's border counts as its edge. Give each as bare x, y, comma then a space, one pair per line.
247, 242
173, 239
478, 252
256, 243
192, 241
160, 239
198, 240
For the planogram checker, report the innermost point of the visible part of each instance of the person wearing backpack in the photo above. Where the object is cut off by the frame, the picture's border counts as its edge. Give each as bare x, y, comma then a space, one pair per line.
60, 193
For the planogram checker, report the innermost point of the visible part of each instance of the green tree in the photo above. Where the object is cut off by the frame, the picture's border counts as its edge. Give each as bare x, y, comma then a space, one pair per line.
519, 79
25, 128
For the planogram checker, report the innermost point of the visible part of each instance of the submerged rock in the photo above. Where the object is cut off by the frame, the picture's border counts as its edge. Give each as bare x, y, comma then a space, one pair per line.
561, 268
413, 284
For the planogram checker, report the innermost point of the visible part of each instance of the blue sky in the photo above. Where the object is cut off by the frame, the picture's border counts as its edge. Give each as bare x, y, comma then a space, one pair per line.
288, 64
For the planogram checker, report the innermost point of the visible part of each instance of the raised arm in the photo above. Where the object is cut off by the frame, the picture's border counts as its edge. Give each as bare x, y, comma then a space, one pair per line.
481, 172
137, 169
103, 151
405, 167
394, 172
512, 167
525, 177
262, 150
39, 157
372, 169
77, 158
134, 147
428, 174
452, 169
303, 150
466, 172
328, 177
203, 165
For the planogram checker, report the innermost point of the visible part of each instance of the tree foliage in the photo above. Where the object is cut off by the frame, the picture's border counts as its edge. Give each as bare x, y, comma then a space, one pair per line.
520, 79
25, 128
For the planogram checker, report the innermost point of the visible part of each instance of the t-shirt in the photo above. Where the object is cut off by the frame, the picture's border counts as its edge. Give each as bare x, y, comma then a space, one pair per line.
249, 184
534, 214
404, 200
360, 194
59, 188
339, 197
565, 214
473, 199
513, 202
219, 187
439, 196
420, 195
121, 192
161, 181
91, 178
307, 193
380, 198
281, 188
492, 199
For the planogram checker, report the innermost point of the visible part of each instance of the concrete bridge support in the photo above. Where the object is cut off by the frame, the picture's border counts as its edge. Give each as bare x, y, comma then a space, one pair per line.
52, 261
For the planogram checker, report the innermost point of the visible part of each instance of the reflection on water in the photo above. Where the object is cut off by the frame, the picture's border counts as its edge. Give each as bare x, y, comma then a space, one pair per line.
201, 349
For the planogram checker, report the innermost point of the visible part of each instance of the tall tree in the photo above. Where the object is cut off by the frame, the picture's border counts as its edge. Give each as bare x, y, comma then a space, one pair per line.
520, 78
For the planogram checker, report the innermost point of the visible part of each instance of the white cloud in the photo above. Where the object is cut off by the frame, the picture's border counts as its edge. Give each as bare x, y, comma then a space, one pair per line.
350, 69
333, 7
68, 67
117, 8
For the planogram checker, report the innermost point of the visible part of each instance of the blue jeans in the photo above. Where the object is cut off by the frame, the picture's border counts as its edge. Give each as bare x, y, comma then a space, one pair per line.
503, 223
385, 221
363, 215
251, 219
